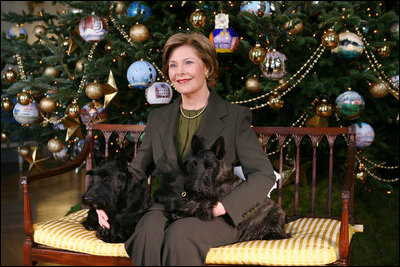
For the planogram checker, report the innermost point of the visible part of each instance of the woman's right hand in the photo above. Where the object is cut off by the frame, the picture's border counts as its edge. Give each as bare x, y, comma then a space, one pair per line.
103, 218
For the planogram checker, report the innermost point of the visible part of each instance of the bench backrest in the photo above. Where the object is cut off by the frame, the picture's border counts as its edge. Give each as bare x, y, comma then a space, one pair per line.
296, 153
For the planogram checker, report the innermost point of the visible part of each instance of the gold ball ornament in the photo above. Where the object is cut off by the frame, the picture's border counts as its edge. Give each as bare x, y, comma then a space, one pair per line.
39, 29
79, 65
324, 109
378, 89
5, 135
253, 85
73, 110
139, 32
7, 104
330, 39
55, 145
24, 151
47, 105
51, 71
10, 75
275, 101
198, 19
24, 98
384, 51
94, 90
257, 54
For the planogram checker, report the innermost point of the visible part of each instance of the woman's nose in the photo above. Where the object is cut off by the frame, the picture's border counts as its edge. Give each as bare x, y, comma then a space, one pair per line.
180, 70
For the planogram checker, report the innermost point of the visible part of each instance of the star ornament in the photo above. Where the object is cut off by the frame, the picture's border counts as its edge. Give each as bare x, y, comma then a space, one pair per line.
110, 90
73, 127
33, 161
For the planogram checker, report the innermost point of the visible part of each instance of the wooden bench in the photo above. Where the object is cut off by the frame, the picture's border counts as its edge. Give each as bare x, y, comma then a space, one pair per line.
278, 143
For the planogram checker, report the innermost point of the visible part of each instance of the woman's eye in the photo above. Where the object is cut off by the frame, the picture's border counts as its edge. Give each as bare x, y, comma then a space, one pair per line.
172, 65
188, 62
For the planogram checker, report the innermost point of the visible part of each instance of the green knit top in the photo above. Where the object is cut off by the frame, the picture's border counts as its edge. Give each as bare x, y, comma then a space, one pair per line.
186, 129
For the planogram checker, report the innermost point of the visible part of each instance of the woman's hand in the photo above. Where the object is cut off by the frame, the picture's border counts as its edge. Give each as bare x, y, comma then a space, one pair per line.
103, 218
219, 209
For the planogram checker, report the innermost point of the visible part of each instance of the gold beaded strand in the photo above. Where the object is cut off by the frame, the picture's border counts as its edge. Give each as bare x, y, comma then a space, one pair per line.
298, 81
20, 63
376, 67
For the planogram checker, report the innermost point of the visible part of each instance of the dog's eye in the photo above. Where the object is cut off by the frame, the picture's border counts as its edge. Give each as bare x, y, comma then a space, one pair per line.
208, 164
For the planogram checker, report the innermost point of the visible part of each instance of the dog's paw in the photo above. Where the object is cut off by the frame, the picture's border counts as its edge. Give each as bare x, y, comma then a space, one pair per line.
90, 226
206, 215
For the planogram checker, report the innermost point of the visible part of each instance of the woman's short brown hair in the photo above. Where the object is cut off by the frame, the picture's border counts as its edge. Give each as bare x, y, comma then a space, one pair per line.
205, 50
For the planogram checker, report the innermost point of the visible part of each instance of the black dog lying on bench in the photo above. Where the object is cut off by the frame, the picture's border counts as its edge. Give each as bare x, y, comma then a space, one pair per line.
115, 190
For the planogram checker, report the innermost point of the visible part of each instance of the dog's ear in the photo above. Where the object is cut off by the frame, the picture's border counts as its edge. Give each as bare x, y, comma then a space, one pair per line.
197, 144
98, 156
219, 147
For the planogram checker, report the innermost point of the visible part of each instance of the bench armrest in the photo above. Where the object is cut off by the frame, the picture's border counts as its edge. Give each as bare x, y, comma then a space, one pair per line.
26, 180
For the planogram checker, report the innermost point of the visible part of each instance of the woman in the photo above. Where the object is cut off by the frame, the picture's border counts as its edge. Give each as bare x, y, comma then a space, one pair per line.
190, 62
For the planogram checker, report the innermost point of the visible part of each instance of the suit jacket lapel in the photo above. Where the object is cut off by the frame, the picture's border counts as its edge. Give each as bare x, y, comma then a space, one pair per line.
167, 131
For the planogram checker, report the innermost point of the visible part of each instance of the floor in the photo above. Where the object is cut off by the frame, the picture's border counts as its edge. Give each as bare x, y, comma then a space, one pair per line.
50, 198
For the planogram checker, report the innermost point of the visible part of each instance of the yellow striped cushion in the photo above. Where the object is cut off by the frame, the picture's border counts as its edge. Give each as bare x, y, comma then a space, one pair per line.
314, 242
68, 233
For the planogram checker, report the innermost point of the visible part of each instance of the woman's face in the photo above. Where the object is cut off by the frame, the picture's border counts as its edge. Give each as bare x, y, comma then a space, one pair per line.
186, 70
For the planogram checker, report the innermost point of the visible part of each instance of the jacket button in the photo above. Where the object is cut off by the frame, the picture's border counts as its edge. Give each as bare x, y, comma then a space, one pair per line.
183, 194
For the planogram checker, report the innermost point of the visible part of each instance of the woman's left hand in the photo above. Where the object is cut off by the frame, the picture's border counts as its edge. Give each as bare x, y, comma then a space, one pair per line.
219, 209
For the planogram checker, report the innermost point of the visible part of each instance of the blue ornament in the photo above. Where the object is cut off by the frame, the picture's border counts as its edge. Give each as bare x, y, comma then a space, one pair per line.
258, 8
224, 40
350, 46
350, 105
365, 134
137, 8
141, 74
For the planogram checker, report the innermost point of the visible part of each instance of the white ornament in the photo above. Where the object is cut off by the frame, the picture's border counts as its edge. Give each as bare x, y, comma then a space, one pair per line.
26, 114
159, 93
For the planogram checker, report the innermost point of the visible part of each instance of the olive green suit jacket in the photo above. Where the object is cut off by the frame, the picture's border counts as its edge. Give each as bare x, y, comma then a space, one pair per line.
158, 153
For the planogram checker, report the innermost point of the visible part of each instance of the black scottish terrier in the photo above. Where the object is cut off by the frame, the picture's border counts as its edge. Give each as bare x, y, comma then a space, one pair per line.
115, 190
208, 180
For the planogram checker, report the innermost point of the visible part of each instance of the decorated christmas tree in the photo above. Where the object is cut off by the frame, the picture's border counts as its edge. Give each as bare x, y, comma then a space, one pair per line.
293, 63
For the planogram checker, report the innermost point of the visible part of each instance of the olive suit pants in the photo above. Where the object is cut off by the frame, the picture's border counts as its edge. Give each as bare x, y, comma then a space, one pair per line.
184, 242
